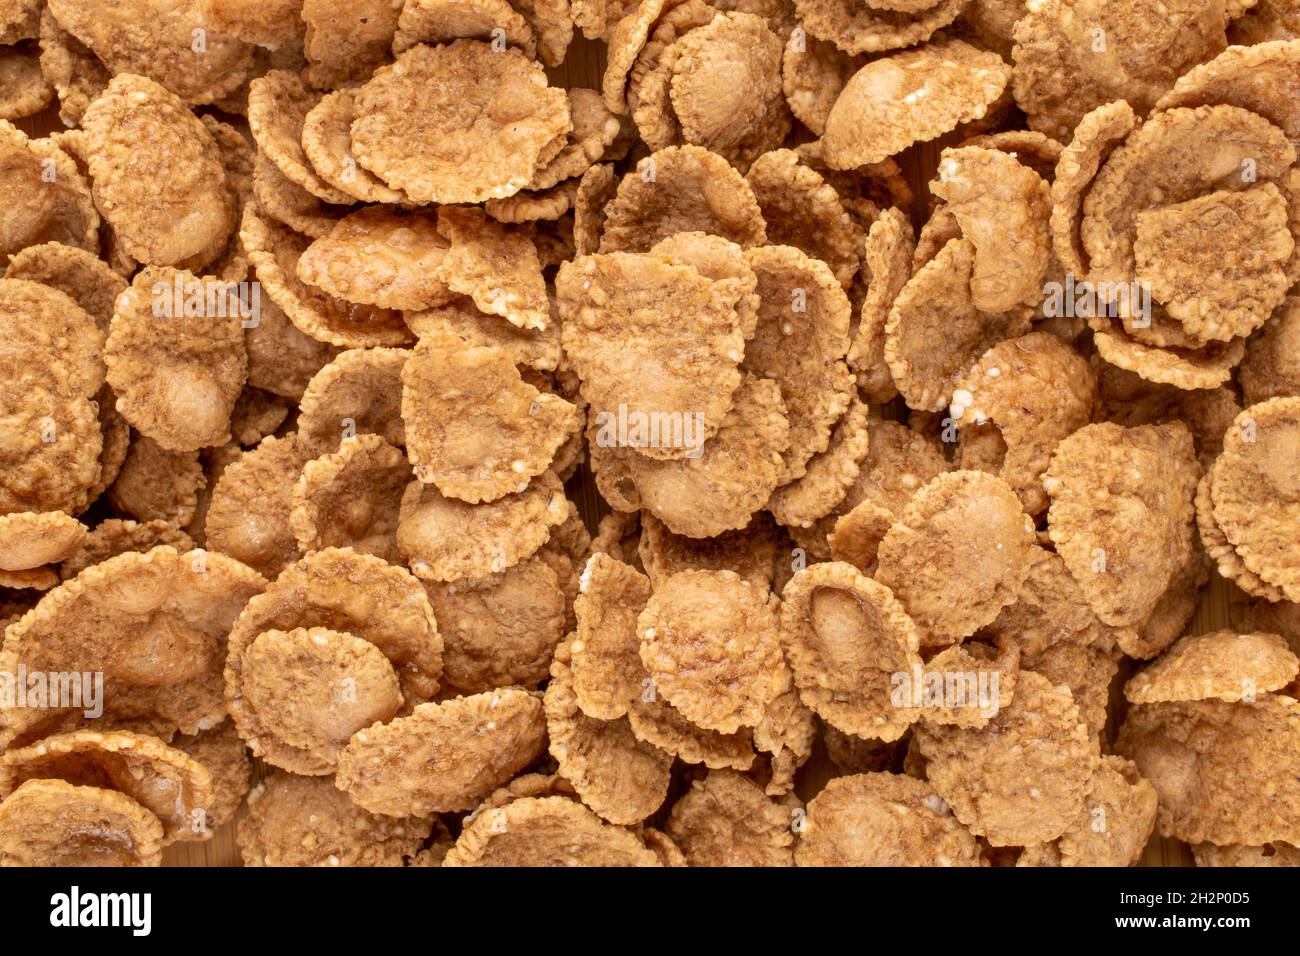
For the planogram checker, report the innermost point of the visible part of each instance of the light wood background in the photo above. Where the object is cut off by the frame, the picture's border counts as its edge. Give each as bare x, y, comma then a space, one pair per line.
1220, 607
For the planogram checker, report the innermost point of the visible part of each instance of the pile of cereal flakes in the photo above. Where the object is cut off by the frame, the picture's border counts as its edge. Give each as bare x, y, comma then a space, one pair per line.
320, 319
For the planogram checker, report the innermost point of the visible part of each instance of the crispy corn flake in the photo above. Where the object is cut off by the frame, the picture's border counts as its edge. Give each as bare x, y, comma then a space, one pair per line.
444, 756
154, 623
1271, 367
156, 40
351, 498
813, 74
937, 305
344, 42
19, 20
115, 536
803, 210
1119, 816
883, 819
845, 636
1033, 391
155, 484
496, 266
546, 831
1128, 399
1220, 550
78, 274
710, 643
605, 664
1224, 772
595, 130
1182, 368
910, 97
278, 104
222, 753
537, 349
546, 205
899, 462
829, 474
248, 516
957, 555
1002, 207
865, 28
994, 666
1095, 138
274, 251
29, 539
657, 722
445, 539
751, 552
441, 21
553, 25
495, 116
1088, 671
358, 392
1122, 500
327, 144
26, 90
1223, 665
256, 415
1216, 262
283, 200
725, 88
621, 778
500, 629
302, 694
1024, 777
1256, 498
68, 65
1175, 156
887, 265
158, 175
596, 188
474, 428
175, 357
731, 480
307, 821
1261, 78
802, 338
646, 338
681, 189
725, 819
1174, 611
44, 208
1049, 610
379, 257
276, 25
166, 781
355, 594
1071, 57
55, 823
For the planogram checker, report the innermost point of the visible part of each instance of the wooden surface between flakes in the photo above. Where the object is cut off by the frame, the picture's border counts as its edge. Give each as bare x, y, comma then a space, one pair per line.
583, 67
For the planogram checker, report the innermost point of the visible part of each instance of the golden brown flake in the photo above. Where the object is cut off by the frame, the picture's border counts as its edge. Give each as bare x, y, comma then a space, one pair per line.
54, 823
501, 629
725, 819
495, 115
883, 819
307, 821
444, 539
845, 637
909, 97
444, 756
957, 555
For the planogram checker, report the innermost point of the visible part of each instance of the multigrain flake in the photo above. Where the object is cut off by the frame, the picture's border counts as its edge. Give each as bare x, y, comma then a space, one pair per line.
494, 116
